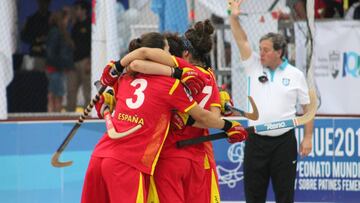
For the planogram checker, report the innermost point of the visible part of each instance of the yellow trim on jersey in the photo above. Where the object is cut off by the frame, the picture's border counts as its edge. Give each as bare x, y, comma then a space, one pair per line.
215, 195
140, 194
210, 70
215, 105
153, 196
186, 69
173, 88
206, 162
203, 70
175, 61
190, 107
158, 153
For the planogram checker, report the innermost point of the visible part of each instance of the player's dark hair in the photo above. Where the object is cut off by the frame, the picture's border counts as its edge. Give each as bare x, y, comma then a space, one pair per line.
151, 40
200, 38
278, 40
175, 43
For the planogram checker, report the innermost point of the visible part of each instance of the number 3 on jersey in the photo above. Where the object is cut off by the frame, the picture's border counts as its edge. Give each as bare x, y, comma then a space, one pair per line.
139, 94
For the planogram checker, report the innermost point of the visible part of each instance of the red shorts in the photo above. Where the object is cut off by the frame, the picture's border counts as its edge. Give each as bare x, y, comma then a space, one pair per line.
179, 180
109, 180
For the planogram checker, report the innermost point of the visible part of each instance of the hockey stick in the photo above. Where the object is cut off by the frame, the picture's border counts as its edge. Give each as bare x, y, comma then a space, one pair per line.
289, 123
252, 116
116, 70
55, 158
111, 131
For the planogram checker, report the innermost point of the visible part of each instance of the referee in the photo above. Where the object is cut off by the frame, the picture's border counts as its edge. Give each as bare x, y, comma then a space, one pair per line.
277, 87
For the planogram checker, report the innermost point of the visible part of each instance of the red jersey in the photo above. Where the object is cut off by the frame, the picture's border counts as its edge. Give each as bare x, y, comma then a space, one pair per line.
208, 97
147, 100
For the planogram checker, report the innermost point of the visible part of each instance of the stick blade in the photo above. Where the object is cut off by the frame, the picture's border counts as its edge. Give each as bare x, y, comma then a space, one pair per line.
255, 113
116, 135
312, 108
56, 163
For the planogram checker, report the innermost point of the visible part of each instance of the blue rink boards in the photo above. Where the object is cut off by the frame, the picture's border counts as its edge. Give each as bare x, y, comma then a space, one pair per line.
330, 174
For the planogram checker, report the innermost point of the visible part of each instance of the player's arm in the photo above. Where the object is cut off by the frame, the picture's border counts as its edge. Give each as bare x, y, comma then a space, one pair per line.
149, 67
206, 119
152, 54
234, 130
214, 104
215, 111
192, 79
109, 77
237, 30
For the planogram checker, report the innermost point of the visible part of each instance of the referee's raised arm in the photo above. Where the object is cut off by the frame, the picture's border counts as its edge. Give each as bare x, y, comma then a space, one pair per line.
237, 30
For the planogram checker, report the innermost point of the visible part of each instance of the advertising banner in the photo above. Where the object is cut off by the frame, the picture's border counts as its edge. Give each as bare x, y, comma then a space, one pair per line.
336, 64
331, 173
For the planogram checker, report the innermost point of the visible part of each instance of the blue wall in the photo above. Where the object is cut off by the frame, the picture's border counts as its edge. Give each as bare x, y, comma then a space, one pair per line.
26, 174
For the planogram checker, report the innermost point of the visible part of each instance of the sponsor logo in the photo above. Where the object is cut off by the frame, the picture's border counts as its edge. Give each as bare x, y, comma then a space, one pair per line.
231, 176
272, 126
351, 64
334, 63
338, 64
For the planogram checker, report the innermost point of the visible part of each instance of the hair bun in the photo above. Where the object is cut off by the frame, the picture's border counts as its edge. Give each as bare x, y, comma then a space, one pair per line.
208, 27
200, 37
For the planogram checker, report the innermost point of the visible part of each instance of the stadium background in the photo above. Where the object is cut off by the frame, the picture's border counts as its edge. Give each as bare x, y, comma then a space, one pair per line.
330, 174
